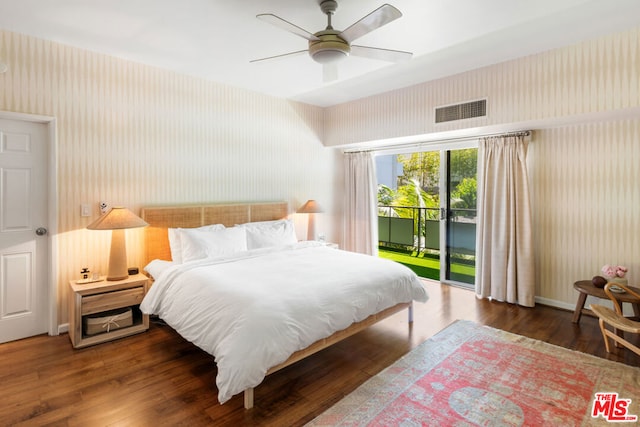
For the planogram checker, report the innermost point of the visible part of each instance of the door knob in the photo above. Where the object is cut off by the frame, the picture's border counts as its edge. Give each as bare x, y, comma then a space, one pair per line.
41, 231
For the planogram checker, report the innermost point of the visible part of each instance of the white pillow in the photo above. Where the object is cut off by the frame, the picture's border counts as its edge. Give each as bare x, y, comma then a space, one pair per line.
266, 234
198, 244
175, 239
156, 267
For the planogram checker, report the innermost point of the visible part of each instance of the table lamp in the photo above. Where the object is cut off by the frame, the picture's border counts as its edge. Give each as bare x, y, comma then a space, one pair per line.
312, 208
117, 219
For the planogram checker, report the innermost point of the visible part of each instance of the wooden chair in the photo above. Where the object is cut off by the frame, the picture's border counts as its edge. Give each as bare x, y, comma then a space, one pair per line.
616, 320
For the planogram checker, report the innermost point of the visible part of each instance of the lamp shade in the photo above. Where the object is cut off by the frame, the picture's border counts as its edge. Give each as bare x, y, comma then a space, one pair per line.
117, 219
310, 207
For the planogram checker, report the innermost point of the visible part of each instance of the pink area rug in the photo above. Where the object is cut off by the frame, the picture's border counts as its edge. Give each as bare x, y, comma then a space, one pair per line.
472, 375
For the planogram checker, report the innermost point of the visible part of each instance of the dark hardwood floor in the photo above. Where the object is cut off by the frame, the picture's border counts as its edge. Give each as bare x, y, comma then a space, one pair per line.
157, 378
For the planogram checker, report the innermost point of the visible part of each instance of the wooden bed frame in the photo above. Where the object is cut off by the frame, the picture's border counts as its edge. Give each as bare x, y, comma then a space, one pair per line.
157, 247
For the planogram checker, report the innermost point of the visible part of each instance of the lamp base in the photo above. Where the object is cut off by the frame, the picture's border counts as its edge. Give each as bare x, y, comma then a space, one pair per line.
117, 257
311, 227
117, 278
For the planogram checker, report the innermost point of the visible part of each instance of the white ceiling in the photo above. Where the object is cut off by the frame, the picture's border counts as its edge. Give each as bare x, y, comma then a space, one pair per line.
216, 39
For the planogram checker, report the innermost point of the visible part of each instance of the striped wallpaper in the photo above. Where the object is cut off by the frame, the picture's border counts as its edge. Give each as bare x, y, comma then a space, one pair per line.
135, 135
586, 201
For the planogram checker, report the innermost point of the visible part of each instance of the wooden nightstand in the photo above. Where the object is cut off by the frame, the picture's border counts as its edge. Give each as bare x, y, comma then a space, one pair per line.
88, 300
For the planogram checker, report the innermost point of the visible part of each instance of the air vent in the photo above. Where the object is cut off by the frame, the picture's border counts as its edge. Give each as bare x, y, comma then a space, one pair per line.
461, 111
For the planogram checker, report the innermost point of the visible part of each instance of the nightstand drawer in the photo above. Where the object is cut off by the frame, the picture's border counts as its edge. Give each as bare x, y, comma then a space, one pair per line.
110, 300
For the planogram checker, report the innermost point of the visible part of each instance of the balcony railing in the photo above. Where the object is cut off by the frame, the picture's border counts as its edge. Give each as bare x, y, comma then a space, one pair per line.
419, 227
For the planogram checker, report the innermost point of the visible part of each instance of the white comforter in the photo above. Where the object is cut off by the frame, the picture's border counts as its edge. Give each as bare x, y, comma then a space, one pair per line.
252, 311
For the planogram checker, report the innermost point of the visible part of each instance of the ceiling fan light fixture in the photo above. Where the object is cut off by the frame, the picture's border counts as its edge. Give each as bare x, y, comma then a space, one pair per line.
330, 48
328, 55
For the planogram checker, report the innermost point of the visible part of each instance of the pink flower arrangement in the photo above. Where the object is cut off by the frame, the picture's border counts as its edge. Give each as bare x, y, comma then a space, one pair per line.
613, 271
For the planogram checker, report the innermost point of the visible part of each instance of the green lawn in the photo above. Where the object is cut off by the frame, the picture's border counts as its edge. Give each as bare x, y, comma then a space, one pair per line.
428, 266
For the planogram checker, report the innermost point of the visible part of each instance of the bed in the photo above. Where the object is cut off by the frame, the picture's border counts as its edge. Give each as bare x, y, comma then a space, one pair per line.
261, 307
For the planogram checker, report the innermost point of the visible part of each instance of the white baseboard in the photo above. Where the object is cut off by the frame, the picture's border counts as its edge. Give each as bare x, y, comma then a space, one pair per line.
555, 303
626, 308
64, 328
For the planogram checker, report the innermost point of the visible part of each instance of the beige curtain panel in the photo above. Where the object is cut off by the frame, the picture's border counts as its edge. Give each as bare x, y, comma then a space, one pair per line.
504, 246
361, 204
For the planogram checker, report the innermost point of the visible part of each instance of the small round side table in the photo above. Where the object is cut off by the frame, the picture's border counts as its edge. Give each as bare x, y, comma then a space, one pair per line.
586, 288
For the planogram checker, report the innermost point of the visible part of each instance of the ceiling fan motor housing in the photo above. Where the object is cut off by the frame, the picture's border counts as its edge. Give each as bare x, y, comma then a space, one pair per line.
330, 47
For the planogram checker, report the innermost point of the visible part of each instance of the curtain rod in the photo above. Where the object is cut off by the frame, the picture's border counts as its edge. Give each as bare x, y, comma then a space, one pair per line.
437, 141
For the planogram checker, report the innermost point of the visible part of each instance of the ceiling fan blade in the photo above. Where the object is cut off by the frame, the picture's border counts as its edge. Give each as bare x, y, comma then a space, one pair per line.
329, 72
284, 55
287, 26
379, 53
376, 19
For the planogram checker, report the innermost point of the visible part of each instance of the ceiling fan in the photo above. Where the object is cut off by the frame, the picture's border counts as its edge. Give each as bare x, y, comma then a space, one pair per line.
329, 46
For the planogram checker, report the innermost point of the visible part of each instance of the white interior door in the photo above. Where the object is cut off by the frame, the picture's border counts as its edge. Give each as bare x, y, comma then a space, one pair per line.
24, 254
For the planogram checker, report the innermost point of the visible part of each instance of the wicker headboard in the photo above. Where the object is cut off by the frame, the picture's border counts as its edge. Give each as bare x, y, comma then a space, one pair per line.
156, 241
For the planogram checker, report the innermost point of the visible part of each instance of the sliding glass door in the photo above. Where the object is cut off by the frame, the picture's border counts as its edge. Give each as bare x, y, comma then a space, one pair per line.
427, 211
458, 216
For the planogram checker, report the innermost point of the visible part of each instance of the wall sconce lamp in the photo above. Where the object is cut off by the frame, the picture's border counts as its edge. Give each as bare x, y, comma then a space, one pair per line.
312, 208
117, 219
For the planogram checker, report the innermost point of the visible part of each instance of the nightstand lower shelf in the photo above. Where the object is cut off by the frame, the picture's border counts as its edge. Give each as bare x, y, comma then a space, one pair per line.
86, 341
